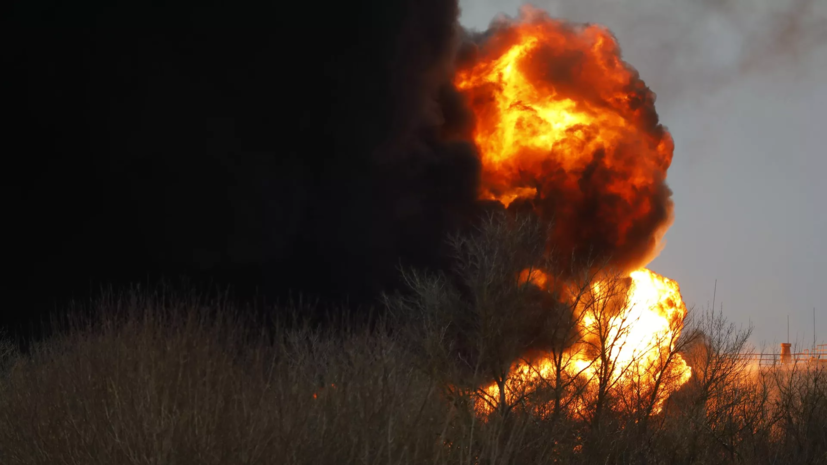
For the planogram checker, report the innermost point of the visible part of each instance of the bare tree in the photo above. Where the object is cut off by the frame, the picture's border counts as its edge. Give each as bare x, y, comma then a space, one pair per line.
719, 381
471, 326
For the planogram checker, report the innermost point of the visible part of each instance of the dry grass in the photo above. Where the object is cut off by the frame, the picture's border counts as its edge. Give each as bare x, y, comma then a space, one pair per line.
179, 381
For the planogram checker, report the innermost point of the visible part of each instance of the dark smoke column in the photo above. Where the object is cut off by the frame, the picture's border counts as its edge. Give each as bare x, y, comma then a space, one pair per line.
287, 148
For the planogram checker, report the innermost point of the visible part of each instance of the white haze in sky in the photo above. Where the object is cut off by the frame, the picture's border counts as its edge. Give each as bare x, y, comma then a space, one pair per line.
742, 87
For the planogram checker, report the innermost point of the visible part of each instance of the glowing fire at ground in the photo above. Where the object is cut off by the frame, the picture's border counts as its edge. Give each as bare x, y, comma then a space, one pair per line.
566, 127
654, 305
637, 342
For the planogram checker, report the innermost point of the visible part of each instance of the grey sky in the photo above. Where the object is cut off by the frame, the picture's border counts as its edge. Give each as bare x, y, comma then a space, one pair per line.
742, 86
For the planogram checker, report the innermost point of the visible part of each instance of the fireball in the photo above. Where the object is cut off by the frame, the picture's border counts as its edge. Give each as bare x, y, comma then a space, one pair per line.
568, 129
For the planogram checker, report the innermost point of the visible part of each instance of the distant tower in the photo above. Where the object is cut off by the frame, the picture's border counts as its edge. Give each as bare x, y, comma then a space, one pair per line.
786, 355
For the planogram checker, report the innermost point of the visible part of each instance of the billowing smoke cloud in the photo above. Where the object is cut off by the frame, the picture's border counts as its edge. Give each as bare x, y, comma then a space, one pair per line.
687, 49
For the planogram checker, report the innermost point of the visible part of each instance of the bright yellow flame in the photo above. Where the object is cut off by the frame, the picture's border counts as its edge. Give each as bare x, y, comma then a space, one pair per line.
640, 338
654, 303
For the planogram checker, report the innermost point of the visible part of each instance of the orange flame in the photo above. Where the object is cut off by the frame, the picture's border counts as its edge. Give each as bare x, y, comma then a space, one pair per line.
564, 124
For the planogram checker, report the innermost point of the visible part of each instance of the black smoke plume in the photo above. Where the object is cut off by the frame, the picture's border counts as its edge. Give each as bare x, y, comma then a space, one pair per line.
282, 149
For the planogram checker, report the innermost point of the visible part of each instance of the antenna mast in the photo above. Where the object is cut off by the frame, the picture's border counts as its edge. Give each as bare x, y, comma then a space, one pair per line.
714, 293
